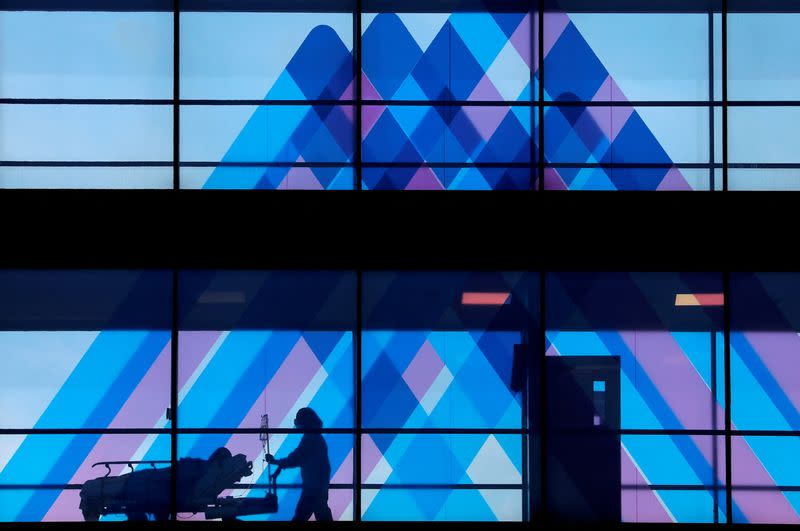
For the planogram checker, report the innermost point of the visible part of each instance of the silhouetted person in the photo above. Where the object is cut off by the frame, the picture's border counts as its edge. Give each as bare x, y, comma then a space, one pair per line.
311, 455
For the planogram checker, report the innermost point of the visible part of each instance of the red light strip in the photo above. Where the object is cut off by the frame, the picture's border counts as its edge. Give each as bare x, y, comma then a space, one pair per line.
485, 298
699, 299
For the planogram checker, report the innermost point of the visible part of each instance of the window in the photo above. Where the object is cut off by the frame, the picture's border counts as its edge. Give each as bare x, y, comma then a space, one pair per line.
86, 355
86, 99
630, 100
668, 361
764, 383
267, 100
444, 429
444, 96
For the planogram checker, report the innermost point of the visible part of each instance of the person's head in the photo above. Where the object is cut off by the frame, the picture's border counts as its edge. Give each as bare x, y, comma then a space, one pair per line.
307, 418
220, 454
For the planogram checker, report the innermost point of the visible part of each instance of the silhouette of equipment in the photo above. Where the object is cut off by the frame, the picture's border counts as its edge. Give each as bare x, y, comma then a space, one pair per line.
200, 482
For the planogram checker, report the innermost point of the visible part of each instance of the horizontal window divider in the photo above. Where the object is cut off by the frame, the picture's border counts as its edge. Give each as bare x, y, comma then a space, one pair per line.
209, 164
721, 486
85, 101
689, 431
393, 103
634, 165
333, 486
657, 486
271, 103
765, 165
453, 486
87, 163
447, 103
352, 431
444, 431
184, 430
446, 164
304, 164
83, 431
638, 103
671, 103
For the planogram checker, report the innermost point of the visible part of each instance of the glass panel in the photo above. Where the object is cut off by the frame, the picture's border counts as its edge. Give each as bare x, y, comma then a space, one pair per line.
576, 133
460, 505
627, 56
628, 178
430, 476
84, 349
135, 133
765, 382
248, 482
256, 56
256, 343
446, 134
447, 56
670, 348
765, 479
763, 179
661, 475
56, 54
86, 177
261, 177
762, 56
309, 146
753, 132
432, 358
62, 477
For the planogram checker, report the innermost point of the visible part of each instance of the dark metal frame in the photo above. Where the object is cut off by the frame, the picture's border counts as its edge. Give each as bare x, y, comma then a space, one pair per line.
537, 104
535, 434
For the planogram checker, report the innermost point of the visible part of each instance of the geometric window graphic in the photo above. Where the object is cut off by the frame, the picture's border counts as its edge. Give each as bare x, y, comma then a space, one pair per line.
432, 401
451, 97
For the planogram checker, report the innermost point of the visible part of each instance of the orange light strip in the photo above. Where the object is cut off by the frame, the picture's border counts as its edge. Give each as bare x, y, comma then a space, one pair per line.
485, 298
699, 299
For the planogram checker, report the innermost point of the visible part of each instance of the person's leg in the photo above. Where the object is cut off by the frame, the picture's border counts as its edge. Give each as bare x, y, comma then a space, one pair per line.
305, 506
322, 512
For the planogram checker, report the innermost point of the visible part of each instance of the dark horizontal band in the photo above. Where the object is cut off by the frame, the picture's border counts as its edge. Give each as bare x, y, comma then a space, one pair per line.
326, 164
398, 103
408, 6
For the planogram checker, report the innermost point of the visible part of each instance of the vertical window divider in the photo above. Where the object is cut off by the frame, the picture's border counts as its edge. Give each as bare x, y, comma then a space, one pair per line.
540, 108
712, 111
357, 68
173, 396
542, 409
726, 287
724, 75
357, 402
173, 399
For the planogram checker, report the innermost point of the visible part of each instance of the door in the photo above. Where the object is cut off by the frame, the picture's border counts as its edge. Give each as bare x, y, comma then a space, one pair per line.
582, 452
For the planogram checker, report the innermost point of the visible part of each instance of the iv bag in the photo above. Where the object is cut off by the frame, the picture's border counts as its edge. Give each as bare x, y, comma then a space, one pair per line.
263, 436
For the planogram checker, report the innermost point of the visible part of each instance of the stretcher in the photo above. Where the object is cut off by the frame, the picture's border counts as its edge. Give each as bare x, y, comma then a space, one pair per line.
146, 490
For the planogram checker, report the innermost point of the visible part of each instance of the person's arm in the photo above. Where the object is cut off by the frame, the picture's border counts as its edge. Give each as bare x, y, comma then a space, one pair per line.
297, 457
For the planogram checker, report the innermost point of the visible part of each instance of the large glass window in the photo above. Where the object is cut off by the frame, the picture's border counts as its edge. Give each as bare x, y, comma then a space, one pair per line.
86, 355
86, 99
445, 427
447, 100
260, 94
762, 88
254, 347
765, 318
445, 96
630, 100
647, 349
444, 400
